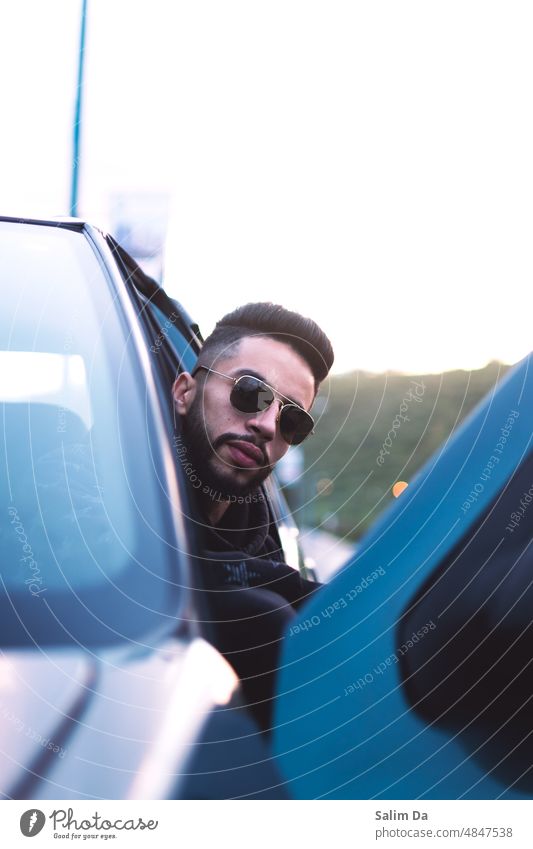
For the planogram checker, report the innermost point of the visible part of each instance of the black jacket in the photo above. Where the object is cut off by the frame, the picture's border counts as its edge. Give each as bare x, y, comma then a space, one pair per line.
243, 551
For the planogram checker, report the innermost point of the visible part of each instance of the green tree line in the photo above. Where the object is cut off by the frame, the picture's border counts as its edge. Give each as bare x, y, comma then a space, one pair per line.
375, 430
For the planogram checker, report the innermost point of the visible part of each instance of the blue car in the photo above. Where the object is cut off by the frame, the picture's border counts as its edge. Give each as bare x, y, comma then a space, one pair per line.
110, 685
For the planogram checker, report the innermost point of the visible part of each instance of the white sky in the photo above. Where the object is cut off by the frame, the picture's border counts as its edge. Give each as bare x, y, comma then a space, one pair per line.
366, 163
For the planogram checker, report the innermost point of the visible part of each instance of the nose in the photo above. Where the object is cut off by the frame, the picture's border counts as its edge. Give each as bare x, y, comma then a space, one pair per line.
265, 422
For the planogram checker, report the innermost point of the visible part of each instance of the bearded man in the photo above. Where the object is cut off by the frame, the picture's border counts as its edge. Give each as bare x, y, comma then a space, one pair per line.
245, 403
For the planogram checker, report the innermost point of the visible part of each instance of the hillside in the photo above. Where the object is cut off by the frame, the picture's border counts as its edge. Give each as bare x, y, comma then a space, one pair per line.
374, 430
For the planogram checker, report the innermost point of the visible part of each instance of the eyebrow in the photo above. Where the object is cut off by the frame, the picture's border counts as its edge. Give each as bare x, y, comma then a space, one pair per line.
242, 371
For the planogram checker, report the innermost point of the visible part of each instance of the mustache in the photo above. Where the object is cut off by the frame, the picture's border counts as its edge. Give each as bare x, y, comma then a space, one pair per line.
237, 437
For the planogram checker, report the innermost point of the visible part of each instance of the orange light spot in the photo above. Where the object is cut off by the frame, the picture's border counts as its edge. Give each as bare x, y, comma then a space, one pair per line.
398, 488
325, 486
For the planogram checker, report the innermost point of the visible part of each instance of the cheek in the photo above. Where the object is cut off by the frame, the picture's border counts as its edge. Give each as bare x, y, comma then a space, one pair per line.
278, 450
221, 418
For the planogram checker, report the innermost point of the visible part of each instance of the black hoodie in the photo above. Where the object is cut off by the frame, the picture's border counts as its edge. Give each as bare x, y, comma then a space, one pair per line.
242, 551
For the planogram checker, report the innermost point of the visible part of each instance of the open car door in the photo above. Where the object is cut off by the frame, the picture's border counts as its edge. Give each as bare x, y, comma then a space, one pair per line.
411, 674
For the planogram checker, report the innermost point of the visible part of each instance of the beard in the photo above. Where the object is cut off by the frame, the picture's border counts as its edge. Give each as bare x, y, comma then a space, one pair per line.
218, 478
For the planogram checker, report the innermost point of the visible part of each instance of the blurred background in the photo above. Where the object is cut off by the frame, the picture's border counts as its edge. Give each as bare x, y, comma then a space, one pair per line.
367, 164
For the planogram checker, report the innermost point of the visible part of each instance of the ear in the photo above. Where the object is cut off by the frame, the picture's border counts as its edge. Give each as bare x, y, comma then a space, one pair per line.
183, 392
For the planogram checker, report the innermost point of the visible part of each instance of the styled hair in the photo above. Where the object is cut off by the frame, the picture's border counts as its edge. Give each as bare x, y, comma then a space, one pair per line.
301, 334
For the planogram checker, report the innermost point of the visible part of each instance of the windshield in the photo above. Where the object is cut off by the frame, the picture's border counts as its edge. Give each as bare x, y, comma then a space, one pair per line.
76, 521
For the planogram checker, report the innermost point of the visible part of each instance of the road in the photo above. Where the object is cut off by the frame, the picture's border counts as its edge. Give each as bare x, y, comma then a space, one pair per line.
327, 551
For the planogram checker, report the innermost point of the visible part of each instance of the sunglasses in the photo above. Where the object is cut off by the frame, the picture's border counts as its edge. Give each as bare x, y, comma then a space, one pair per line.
249, 394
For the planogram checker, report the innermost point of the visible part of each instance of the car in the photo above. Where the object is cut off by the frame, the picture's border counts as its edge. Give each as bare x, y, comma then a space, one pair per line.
111, 686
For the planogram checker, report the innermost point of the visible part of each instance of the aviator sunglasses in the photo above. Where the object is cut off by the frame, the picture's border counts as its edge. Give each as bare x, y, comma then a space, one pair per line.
249, 394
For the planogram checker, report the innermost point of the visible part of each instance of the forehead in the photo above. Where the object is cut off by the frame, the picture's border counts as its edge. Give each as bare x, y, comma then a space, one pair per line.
276, 363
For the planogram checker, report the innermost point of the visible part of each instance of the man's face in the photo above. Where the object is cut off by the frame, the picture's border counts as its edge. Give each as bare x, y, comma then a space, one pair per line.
233, 452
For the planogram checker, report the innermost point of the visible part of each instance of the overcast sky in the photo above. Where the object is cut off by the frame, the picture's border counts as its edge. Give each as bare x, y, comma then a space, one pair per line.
368, 164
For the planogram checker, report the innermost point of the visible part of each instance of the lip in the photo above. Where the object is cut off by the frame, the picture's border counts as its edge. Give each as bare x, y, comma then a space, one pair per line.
245, 454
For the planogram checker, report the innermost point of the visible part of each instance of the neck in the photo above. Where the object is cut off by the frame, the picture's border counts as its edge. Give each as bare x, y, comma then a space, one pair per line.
215, 510
212, 508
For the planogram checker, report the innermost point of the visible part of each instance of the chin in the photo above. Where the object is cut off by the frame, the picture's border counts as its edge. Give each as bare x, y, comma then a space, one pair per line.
240, 484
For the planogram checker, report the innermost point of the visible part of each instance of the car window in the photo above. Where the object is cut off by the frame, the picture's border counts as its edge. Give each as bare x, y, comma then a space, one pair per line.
170, 333
77, 477
473, 672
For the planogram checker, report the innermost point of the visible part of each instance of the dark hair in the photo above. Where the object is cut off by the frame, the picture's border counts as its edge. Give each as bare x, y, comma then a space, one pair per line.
266, 319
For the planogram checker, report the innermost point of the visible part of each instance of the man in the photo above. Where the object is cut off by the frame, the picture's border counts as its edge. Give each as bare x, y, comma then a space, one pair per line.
245, 403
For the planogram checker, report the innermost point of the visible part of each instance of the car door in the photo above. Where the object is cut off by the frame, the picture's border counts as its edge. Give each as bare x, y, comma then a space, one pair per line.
107, 689
409, 675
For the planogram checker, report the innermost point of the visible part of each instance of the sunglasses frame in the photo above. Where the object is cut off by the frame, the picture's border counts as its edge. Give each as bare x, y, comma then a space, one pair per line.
285, 402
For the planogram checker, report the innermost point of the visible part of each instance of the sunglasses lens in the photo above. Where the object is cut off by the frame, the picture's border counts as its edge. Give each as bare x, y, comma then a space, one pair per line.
295, 424
251, 395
